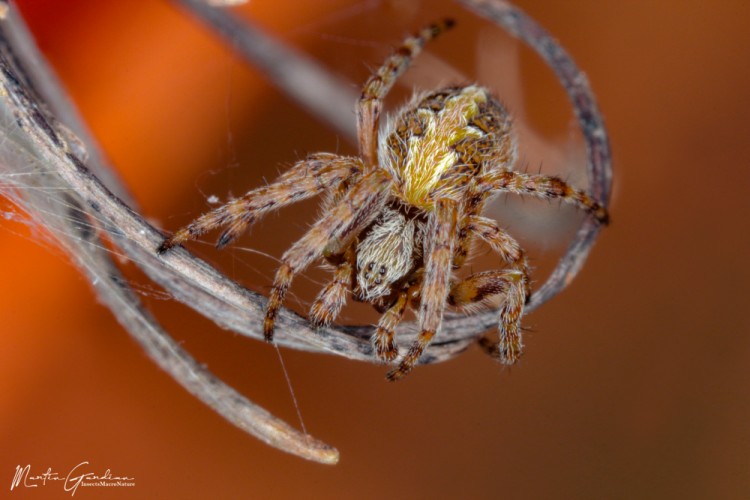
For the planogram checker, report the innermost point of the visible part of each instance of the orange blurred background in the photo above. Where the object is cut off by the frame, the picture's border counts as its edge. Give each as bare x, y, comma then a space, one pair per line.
635, 379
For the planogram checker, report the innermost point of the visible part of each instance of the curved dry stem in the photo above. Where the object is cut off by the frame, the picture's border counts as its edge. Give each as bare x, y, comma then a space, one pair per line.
59, 168
318, 91
599, 158
34, 160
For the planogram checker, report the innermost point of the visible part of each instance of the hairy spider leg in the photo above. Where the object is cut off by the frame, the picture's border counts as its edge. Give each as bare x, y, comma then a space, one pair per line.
341, 224
441, 234
380, 83
464, 294
465, 235
307, 178
332, 298
382, 339
515, 280
495, 151
545, 187
475, 290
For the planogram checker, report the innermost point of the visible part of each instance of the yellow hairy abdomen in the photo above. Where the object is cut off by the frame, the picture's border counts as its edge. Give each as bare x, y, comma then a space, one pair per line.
431, 154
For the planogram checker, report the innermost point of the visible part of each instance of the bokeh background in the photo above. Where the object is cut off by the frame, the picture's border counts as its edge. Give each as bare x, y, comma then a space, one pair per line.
635, 379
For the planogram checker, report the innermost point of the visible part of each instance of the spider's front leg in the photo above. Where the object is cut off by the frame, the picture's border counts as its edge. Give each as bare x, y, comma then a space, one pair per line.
339, 226
317, 173
438, 252
393, 313
382, 339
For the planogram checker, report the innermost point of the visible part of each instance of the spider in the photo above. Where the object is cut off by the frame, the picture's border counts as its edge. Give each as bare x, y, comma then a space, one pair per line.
398, 219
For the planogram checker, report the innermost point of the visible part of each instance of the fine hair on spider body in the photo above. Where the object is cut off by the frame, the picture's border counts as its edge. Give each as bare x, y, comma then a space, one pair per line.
400, 218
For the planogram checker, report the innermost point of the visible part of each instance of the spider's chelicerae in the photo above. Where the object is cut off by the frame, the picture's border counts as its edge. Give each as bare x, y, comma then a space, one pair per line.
397, 220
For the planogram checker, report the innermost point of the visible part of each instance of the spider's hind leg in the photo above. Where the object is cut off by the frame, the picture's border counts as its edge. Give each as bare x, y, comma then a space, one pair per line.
545, 187
380, 83
307, 178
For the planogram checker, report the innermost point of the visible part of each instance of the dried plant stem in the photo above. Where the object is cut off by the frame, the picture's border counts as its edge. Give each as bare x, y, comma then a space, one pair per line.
32, 152
320, 92
54, 184
599, 164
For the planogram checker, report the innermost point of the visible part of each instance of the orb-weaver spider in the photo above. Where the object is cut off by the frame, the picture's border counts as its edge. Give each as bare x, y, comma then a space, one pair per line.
397, 220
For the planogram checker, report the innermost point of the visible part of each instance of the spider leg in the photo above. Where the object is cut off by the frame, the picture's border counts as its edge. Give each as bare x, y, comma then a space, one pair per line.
318, 172
382, 339
338, 226
465, 236
333, 297
514, 280
379, 84
441, 234
475, 291
543, 186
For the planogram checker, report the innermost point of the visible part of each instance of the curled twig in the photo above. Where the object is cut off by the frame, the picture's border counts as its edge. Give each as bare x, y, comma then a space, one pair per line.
58, 168
599, 164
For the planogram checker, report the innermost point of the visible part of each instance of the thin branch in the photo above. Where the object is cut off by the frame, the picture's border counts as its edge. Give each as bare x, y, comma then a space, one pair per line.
47, 85
224, 3
32, 150
317, 90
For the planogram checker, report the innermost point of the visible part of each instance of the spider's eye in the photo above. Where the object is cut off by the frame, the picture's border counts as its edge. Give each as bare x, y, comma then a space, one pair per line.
369, 266
382, 270
378, 281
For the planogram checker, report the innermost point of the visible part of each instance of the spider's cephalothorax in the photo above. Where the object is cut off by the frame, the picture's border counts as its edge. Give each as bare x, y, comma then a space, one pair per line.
399, 219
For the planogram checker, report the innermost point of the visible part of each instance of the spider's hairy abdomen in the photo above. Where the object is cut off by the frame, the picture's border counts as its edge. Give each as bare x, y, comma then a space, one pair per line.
441, 140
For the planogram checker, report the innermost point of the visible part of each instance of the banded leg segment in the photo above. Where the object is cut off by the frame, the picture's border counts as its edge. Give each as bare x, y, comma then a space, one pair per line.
545, 187
378, 85
498, 239
307, 178
477, 290
441, 234
341, 224
332, 298
465, 231
382, 339
515, 280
